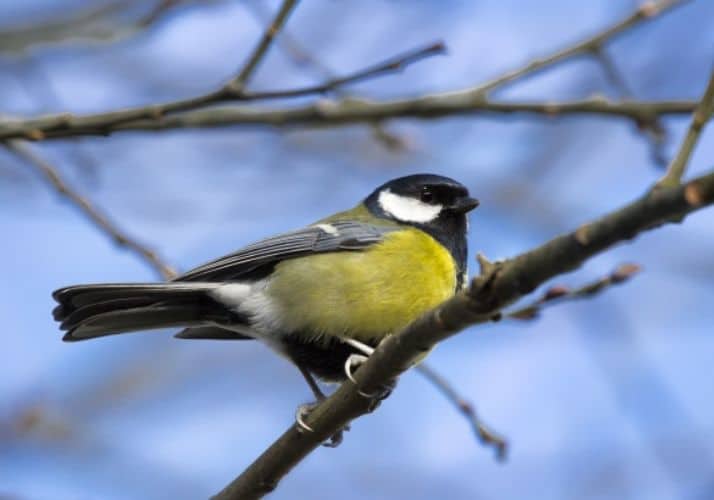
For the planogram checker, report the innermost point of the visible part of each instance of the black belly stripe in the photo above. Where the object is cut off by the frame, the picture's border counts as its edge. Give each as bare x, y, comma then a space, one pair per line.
325, 360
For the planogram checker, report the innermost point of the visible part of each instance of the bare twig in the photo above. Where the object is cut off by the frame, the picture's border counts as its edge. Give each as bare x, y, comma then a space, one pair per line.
119, 237
499, 285
652, 128
559, 293
237, 84
482, 432
702, 114
645, 12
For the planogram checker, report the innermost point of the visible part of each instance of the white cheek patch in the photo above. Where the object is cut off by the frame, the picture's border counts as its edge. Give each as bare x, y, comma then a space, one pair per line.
407, 209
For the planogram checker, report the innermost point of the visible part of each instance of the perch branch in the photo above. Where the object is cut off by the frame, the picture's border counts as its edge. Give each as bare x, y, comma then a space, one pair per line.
498, 285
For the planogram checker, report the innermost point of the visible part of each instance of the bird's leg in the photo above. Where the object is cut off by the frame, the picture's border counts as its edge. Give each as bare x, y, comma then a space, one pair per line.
355, 360
304, 410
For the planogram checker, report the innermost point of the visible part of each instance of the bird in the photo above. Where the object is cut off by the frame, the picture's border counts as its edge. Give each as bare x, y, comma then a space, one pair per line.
323, 296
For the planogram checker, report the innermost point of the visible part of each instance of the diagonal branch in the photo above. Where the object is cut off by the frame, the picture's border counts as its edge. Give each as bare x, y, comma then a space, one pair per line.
559, 293
118, 235
238, 83
645, 12
499, 285
702, 114
484, 434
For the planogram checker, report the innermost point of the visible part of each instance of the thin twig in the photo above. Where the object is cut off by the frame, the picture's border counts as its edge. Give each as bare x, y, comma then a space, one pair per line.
499, 285
482, 432
652, 128
391, 65
238, 83
702, 114
645, 12
559, 293
121, 238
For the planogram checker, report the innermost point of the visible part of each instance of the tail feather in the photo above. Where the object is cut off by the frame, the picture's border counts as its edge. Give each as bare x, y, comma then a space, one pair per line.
89, 311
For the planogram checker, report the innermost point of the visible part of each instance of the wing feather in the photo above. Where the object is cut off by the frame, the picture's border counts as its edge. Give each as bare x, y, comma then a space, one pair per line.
320, 238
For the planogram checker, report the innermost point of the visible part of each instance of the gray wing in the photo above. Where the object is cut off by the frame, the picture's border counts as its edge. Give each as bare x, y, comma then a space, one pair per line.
319, 238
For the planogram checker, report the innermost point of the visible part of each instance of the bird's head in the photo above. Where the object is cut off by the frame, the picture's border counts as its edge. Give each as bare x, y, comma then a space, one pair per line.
422, 199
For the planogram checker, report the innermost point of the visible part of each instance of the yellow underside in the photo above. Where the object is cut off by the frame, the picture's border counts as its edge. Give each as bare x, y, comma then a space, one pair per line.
364, 294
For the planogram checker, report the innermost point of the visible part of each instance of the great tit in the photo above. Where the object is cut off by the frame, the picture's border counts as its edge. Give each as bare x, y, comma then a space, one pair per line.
318, 295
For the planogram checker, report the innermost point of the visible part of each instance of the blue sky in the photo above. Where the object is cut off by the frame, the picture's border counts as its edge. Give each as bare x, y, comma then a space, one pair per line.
605, 398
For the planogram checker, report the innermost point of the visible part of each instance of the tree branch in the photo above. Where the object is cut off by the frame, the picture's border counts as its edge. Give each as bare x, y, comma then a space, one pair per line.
326, 114
702, 114
238, 83
484, 434
499, 285
647, 11
559, 293
119, 237
189, 113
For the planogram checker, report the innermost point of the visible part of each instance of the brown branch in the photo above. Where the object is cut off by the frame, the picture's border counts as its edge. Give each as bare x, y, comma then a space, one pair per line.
326, 114
702, 114
559, 293
119, 237
499, 285
484, 434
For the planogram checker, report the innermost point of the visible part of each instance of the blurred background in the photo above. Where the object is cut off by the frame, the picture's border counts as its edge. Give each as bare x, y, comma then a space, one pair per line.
610, 397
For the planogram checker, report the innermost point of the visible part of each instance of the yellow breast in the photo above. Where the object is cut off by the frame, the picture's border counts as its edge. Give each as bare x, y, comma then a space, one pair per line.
363, 294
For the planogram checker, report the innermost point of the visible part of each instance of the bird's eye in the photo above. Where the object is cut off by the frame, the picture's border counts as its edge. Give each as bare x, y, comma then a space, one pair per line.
427, 196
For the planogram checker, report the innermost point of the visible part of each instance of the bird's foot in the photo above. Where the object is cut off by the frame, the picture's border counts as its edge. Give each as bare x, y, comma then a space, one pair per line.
353, 362
303, 411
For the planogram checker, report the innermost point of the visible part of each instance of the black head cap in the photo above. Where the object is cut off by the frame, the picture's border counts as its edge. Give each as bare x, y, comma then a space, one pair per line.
421, 199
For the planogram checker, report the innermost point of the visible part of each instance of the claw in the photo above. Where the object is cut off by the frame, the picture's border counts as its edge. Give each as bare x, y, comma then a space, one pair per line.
300, 414
353, 360
356, 360
302, 427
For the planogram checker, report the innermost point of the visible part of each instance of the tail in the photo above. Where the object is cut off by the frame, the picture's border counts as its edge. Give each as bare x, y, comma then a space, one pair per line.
89, 311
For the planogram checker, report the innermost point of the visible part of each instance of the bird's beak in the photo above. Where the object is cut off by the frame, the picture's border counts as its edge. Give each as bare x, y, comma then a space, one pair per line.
465, 204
